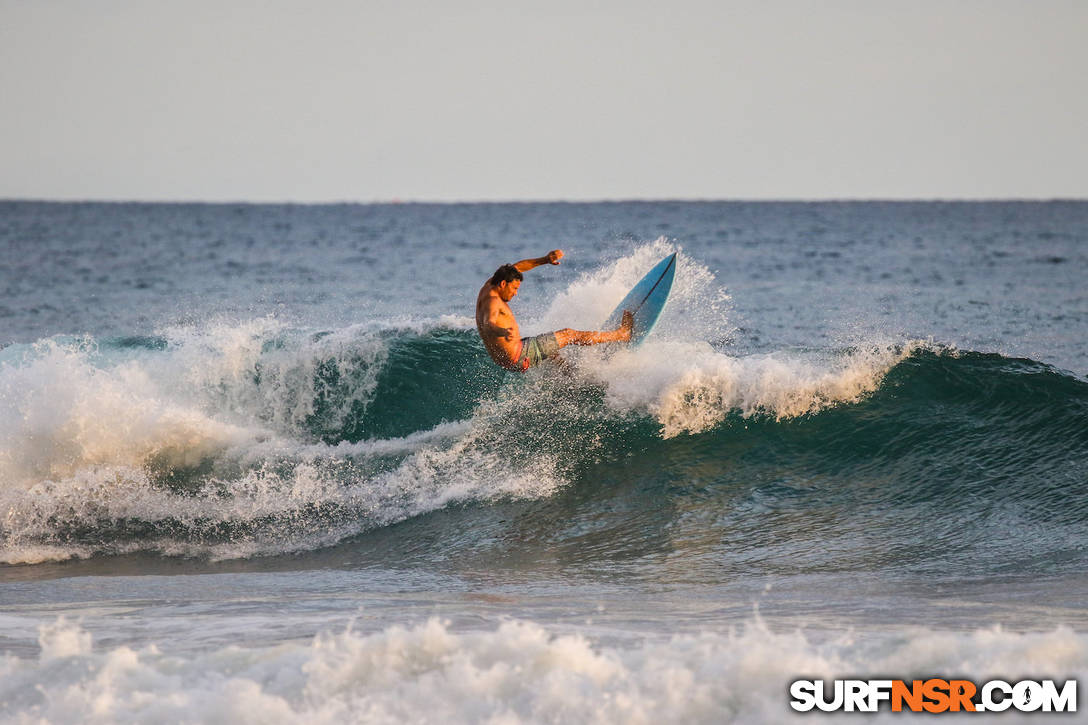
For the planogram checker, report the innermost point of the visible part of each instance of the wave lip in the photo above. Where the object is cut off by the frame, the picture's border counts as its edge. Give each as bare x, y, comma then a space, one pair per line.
691, 388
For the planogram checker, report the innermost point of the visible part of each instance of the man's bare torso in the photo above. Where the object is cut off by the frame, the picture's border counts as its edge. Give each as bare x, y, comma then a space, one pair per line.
492, 312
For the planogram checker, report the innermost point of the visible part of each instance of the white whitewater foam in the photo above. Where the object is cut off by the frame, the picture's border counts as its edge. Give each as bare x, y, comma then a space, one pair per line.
690, 387
680, 375
224, 387
87, 439
520, 672
452, 463
63, 414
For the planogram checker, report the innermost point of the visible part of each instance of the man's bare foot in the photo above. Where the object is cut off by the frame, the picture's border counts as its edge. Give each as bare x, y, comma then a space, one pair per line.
626, 325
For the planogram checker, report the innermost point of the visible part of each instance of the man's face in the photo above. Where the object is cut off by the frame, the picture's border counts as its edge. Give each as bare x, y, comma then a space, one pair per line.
509, 290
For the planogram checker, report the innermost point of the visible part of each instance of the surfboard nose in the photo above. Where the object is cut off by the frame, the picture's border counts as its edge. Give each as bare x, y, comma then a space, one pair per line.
646, 300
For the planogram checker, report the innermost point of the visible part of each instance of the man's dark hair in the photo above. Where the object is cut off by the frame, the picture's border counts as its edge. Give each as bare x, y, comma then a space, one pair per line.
505, 273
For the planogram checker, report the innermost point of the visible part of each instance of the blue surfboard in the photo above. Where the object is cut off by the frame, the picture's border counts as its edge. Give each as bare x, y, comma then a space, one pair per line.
646, 300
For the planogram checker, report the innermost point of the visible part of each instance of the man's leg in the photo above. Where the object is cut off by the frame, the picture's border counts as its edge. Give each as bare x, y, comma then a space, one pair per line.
622, 333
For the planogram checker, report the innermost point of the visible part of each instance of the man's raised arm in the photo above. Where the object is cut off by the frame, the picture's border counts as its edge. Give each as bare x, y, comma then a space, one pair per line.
551, 257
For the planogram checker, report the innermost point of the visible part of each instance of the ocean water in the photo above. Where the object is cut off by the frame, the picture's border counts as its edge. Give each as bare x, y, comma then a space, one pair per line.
255, 465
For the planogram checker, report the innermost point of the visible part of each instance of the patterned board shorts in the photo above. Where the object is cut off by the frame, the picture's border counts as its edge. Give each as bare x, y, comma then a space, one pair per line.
535, 350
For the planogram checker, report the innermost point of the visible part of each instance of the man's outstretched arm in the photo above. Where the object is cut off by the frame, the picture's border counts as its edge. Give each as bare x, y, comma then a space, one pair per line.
551, 257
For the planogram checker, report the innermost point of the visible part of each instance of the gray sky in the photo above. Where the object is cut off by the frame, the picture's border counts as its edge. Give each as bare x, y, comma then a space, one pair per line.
614, 99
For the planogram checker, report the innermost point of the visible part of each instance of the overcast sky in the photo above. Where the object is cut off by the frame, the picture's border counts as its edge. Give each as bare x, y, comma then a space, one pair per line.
616, 99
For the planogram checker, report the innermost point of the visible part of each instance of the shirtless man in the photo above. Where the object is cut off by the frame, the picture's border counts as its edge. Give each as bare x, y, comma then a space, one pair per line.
499, 330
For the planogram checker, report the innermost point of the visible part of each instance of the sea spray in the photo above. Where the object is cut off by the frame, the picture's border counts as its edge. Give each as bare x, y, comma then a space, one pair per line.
698, 309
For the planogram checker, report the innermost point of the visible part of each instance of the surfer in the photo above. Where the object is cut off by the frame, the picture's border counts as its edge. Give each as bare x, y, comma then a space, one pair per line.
499, 329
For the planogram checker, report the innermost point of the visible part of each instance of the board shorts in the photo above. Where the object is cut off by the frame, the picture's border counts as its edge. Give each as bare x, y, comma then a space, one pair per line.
535, 350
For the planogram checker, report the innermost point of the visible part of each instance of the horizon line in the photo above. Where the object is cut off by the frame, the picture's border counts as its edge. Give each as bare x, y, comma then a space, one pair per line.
604, 200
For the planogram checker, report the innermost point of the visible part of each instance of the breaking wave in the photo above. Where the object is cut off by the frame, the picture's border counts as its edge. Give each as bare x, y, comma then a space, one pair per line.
231, 439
